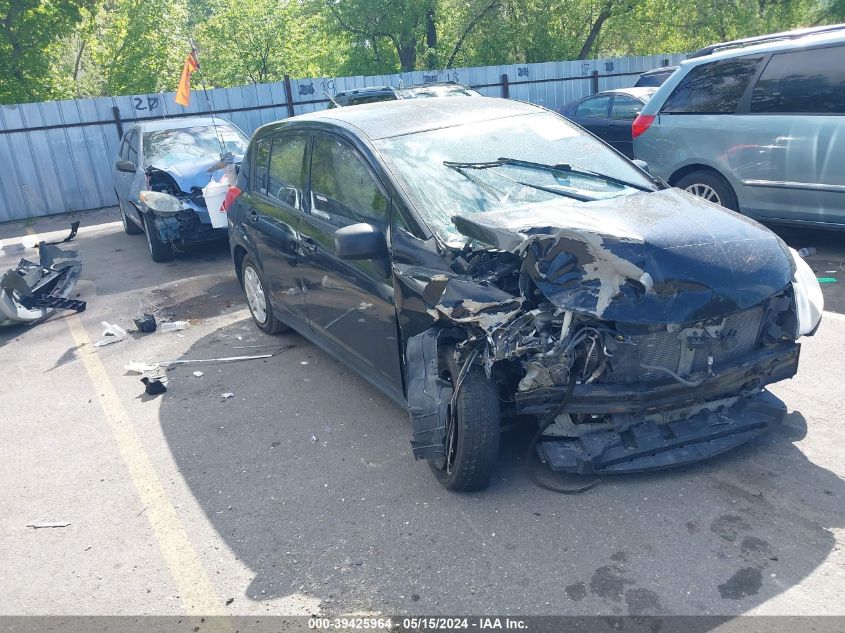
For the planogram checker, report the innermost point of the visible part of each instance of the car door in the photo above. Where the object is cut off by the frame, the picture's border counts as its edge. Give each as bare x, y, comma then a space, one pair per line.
273, 207
623, 111
793, 137
350, 303
592, 113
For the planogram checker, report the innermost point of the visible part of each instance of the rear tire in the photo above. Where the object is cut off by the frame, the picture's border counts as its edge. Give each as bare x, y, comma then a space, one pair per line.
710, 186
258, 298
159, 251
477, 421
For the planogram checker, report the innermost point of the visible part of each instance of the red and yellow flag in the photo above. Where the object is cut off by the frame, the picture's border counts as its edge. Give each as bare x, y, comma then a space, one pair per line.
183, 92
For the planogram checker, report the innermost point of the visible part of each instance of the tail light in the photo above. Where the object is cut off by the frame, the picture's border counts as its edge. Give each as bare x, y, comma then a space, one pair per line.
641, 124
231, 195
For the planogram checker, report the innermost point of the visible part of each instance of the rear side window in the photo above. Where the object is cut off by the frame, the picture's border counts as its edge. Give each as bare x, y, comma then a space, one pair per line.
343, 191
285, 172
262, 155
593, 108
625, 109
714, 88
811, 82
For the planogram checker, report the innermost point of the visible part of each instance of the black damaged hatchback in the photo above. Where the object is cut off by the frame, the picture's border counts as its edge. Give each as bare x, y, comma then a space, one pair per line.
486, 261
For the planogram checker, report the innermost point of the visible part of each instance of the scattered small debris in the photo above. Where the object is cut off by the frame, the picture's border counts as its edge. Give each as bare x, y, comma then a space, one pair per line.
137, 367
153, 386
224, 359
303, 362
806, 251
49, 524
198, 374
174, 326
229, 601
313, 438
146, 323
112, 333
827, 280
227, 395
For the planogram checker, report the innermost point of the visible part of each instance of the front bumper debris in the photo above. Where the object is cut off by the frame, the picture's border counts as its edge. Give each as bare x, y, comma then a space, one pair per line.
650, 446
741, 377
31, 292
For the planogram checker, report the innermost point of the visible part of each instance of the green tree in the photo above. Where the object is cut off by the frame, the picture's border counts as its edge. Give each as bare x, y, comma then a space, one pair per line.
29, 30
262, 40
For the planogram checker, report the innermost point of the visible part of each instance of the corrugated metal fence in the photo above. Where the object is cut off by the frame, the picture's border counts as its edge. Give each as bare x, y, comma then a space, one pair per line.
57, 156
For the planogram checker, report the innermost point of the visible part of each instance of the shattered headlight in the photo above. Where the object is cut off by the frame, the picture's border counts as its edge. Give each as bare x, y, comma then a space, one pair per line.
161, 202
809, 302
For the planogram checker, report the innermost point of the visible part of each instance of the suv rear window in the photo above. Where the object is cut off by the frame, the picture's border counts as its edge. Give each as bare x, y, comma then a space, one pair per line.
714, 88
811, 82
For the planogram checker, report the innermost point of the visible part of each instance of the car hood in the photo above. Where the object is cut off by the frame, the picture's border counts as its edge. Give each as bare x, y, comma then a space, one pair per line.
652, 257
196, 172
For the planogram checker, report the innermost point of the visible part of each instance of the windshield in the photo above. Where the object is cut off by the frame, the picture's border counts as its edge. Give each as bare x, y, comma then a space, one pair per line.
504, 164
168, 147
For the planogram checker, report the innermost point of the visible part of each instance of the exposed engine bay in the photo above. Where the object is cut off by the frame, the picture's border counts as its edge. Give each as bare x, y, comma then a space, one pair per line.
630, 355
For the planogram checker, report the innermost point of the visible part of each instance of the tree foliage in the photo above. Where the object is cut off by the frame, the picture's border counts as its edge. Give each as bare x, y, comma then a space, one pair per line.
68, 48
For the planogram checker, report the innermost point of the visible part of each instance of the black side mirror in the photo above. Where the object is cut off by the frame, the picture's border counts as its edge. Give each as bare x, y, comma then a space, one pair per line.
126, 166
360, 241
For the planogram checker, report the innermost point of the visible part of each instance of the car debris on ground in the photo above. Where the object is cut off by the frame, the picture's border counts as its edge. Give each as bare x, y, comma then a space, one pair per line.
153, 386
48, 524
112, 333
146, 323
31, 292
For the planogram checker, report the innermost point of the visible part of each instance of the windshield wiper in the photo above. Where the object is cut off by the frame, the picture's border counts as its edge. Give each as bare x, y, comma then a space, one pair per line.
559, 168
459, 167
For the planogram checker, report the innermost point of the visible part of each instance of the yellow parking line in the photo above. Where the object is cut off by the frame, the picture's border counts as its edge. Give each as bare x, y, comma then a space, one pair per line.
195, 589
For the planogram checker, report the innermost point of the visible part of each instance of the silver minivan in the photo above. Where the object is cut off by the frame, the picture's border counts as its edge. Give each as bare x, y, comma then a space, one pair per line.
757, 128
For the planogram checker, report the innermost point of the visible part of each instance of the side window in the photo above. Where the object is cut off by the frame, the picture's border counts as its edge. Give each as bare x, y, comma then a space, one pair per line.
262, 155
593, 108
285, 172
714, 88
133, 147
625, 108
810, 81
342, 190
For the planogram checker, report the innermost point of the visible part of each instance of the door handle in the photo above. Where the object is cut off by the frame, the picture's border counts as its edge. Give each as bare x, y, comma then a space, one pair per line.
253, 215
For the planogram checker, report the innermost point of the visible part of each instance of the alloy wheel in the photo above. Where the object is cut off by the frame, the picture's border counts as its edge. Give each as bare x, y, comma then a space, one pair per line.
255, 294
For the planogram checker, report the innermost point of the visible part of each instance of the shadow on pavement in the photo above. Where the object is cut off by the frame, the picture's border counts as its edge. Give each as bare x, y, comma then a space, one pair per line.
306, 474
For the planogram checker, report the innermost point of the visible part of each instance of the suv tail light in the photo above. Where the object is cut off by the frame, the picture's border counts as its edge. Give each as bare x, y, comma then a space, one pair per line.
231, 196
641, 124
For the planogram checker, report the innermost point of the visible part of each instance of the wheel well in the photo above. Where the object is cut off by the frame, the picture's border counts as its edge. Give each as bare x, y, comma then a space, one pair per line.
683, 171
238, 257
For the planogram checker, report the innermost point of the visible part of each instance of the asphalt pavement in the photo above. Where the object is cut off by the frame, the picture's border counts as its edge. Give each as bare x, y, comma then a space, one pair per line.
298, 494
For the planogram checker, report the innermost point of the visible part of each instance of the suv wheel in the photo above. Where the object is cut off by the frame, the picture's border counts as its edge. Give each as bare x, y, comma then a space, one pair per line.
258, 299
159, 251
711, 186
472, 433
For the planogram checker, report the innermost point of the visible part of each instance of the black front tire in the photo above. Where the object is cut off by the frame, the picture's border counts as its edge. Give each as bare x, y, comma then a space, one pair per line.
159, 251
266, 320
705, 181
478, 426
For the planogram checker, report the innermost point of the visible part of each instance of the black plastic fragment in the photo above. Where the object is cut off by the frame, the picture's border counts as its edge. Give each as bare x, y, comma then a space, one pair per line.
153, 386
146, 323
428, 395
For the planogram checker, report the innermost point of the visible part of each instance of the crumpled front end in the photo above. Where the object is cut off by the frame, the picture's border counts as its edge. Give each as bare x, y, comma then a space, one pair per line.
633, 351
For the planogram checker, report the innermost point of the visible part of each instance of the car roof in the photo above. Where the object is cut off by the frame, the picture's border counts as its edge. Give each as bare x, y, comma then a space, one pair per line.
408, 116
770, 37
177, 123
366, 90
770, 46
638, 92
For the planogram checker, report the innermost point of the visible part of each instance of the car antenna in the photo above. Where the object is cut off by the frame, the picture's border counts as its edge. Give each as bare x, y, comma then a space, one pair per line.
208, 100
329, 97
